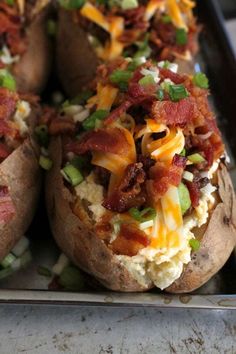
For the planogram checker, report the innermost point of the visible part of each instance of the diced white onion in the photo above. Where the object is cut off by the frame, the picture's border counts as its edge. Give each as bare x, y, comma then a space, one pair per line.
146, 224
81, 116
7, 58
188, 176
171, 66
73, 109
205, 136
154, 72
208, 189
62, 262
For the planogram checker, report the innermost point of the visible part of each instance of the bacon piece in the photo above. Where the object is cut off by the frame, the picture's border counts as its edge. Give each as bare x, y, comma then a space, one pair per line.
129, 192
8, 100
117, 112
194, 192
61, 125
129, 241
179, 161
174, 77
8, 128
7, 208
173, 113
111, 140
162, 176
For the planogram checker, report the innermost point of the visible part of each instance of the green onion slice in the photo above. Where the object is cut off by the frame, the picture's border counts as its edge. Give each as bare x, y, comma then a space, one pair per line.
45, 162
184, 198
7, 80
90, 122
177, 92
8, 260
166, 19
144, 215
71, 279
194, 244
160, 95
201, 80
129, 4
72, 175
121, 78
147, 80
196, 158
181, 36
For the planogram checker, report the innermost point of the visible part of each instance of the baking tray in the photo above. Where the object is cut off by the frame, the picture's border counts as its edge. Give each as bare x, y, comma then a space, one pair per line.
26, 286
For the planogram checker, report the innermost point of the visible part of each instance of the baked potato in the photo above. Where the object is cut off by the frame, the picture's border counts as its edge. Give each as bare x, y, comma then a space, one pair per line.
20, 176
164, 30
25, 44
138, 194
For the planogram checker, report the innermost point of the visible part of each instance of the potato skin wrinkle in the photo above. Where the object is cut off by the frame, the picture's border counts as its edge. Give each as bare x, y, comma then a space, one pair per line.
21, 173
76, 59
78, 241
32, 70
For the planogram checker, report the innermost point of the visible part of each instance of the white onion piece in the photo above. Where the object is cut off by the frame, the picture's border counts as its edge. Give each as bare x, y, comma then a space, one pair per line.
188, 176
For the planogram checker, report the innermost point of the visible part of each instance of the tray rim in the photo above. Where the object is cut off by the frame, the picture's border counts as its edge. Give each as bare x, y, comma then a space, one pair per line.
114, 299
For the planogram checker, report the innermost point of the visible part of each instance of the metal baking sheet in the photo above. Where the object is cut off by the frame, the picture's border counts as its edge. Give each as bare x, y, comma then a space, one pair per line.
26, 286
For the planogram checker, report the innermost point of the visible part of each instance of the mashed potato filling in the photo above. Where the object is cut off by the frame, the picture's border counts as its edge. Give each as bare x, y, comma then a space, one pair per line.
163, 265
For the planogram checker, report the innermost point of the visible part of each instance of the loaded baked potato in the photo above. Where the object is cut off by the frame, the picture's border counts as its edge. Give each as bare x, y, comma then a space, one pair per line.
93, 31
139, 194
25, 45
19, 167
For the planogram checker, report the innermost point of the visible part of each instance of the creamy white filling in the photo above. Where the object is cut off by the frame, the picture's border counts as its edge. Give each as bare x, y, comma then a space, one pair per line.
93, 193
162, 266
6, 57
21, 114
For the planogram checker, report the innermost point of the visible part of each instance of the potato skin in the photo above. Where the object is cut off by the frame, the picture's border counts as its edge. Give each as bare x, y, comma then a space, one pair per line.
217, 242
20, 171
75, 239
87, 251
76, 60
32, 70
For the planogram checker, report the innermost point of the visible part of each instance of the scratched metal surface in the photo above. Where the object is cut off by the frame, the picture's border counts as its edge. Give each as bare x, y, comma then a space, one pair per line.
55, 330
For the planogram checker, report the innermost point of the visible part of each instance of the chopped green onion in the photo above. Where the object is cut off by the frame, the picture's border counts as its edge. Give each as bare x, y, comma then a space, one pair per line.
201, 80
10, 2
144, 215
183, 152
160, 95
194, 244
129, 4
90, 122
72, 175
136, 62
45, 162
71, 279
121, 78
166, 19
44, 271
51, 27
21, 246
72, 4
196, 158
8, 260
62, 262
177, 92
184, 198
181, 36
82, 97
7, 80
144, 49
147, 80
41, 132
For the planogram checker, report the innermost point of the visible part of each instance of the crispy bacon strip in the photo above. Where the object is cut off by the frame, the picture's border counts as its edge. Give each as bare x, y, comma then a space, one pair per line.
129, 241
129, 191
7, 208
111, 140
161, 177
8, 100
173, 113
61, 125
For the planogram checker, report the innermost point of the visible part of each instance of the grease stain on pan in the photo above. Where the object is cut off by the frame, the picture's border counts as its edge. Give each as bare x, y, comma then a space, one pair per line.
185, 299
167, 299
227, 303
108, 299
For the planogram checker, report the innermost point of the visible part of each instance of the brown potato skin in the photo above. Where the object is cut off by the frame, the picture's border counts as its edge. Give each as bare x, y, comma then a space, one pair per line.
75, 239
76, 60
32, 70
20, 171
217, 242
86, 250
